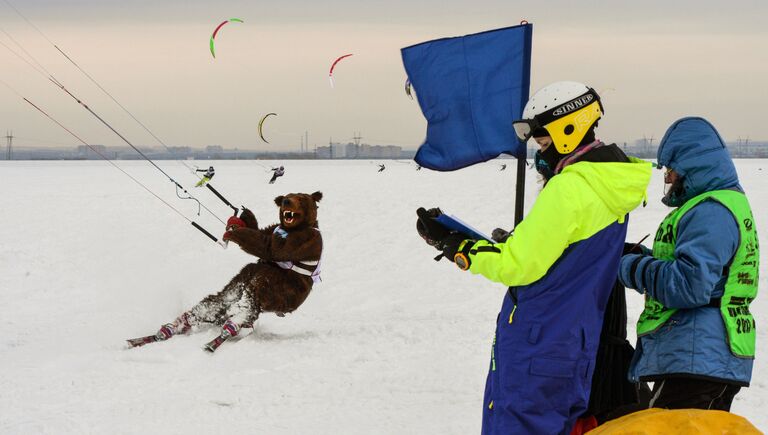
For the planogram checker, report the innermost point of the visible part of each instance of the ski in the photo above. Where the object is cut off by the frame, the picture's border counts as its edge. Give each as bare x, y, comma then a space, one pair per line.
141, 341
228, 330
166, 331
214, 344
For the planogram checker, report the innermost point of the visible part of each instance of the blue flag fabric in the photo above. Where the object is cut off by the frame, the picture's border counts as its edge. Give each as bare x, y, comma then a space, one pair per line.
470, 89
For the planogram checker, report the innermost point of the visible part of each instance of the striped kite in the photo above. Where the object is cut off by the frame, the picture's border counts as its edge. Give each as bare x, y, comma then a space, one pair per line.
408, 88
231, 20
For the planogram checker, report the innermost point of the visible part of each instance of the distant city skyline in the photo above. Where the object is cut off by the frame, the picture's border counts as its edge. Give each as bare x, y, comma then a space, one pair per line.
643, 148
652, 63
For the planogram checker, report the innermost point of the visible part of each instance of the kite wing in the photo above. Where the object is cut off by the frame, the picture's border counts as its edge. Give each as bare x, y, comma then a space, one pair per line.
261, 124
213, 36
408, 88
333, 65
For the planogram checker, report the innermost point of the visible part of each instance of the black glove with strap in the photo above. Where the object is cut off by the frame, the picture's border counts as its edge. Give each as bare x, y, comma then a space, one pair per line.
442, 238
451, 251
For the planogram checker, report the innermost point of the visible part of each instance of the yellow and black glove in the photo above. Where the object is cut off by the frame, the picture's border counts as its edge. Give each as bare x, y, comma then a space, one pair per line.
456, 248
451, 243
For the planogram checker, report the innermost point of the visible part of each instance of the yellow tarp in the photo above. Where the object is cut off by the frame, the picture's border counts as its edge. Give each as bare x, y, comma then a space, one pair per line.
657, 421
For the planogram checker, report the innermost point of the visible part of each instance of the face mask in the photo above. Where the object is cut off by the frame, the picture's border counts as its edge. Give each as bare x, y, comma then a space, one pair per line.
542, 166
552, 158
673, 193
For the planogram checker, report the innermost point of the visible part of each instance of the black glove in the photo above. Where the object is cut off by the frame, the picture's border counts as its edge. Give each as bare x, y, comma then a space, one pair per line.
451, 244
635, 248
500, 235
432, 231
451, 249
442, 238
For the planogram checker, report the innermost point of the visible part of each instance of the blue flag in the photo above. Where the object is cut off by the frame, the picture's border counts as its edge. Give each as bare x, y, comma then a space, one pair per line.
470, 89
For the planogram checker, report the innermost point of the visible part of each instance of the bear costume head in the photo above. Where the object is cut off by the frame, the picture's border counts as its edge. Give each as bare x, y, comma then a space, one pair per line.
298, 210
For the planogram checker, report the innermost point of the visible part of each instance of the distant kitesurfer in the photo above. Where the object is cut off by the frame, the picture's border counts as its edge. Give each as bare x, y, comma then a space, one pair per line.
207, 175
278, 172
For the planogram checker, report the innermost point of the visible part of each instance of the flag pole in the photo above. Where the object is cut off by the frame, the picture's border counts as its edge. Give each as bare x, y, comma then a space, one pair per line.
522, 156
520, 191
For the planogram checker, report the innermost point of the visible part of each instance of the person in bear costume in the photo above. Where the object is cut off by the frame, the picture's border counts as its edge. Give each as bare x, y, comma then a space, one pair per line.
279, 282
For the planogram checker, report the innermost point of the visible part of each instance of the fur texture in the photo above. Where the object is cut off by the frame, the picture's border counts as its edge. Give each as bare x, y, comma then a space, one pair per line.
265, 286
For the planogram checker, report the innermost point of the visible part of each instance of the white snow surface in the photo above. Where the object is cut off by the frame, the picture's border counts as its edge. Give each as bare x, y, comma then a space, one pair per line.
390, 342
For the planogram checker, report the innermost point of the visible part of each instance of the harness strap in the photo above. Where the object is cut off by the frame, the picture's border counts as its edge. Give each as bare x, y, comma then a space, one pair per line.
304, 267
310, 268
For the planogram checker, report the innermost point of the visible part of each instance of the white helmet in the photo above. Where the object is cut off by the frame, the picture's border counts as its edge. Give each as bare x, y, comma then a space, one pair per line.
567, 110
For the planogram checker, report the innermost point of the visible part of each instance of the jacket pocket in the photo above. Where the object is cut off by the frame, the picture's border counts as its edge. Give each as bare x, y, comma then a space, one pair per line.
554, 368
551, 387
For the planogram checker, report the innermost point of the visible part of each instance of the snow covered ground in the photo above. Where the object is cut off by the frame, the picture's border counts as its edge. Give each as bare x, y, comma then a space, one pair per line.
390, 342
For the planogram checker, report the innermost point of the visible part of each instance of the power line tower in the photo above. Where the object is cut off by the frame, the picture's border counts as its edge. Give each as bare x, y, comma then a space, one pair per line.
650, 147
357, 138
746, 147
9, 150
647, 147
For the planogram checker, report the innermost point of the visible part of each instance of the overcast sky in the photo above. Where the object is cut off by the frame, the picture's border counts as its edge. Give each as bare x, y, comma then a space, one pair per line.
651, 61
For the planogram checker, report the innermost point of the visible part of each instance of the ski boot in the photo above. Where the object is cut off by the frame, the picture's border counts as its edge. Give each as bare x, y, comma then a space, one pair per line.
182, 325
228, 330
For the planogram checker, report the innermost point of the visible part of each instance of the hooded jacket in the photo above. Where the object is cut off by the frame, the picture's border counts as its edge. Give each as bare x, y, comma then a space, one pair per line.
560, 264
692, 343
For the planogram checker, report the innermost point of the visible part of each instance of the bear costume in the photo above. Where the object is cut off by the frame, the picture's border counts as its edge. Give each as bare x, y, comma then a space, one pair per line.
279, 282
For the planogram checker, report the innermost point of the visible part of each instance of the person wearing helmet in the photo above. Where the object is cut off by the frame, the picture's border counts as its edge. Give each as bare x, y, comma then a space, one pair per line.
207, 175
696, 336
560, 265
278, 172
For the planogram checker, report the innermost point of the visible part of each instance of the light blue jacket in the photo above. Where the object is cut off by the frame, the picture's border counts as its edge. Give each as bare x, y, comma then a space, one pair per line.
693, 341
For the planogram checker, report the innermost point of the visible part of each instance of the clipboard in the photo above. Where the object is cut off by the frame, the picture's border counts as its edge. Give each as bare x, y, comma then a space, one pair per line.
453, 223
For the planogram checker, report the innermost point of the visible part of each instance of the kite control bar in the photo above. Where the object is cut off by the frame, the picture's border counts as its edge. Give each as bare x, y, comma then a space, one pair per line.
221, 243
216, 192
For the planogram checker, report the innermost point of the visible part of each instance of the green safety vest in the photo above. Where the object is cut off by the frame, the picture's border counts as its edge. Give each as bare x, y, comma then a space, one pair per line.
743, 273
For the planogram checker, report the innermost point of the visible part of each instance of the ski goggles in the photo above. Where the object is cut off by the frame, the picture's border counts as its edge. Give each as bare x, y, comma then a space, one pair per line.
670, 175
528, 128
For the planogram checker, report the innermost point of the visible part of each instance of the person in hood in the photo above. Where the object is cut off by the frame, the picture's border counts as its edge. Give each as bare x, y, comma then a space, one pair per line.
696, 335
560, 265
